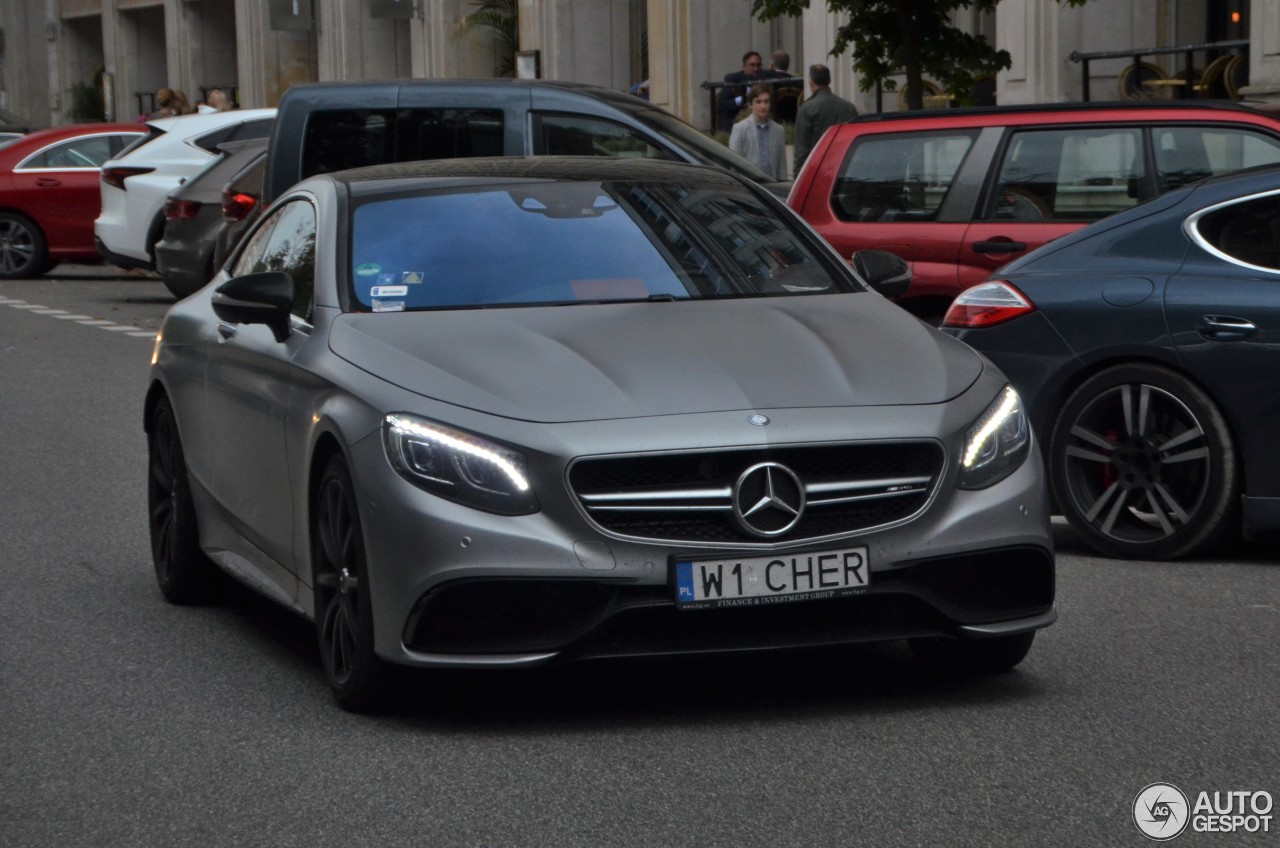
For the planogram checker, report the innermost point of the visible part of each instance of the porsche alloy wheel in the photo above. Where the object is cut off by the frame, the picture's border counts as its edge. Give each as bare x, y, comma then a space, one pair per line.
1143, 465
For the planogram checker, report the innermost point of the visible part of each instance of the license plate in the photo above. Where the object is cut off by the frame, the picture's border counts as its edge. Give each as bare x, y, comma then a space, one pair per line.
751, 581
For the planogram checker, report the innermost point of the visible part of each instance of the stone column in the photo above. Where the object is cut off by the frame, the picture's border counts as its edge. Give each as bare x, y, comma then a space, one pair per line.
1264, 53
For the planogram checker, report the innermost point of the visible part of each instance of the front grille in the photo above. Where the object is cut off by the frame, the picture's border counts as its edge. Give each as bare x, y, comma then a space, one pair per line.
689, 497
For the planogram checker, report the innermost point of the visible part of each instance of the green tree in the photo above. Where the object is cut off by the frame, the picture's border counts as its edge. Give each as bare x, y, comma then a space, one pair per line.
503, 18
912, 37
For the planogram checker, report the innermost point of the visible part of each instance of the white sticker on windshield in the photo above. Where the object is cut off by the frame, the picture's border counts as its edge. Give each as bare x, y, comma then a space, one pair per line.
388, 306
389, 291
411, 277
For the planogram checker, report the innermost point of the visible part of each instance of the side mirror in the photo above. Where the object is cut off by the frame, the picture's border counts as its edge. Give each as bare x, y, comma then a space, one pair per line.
885, 272
262, 298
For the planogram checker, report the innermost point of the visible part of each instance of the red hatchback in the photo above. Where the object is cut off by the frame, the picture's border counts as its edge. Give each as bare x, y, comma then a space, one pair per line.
960, 192
49, 194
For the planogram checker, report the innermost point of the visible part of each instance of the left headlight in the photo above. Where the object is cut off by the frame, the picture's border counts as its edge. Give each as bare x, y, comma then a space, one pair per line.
458, 466
997, 443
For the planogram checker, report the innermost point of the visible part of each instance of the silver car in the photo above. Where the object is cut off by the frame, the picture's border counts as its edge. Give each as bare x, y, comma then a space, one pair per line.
503, 412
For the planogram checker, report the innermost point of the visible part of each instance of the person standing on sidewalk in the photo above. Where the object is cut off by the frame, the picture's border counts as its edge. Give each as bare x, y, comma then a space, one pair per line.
820, 111
759, 140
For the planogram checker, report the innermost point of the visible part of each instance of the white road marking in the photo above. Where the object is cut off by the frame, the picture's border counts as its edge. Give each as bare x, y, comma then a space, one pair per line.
86, 320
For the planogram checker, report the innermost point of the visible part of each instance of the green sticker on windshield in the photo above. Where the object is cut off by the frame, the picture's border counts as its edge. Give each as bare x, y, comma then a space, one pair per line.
368, 269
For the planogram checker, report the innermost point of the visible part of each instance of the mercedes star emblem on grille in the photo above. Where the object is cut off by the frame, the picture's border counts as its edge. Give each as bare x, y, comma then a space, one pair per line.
768, 499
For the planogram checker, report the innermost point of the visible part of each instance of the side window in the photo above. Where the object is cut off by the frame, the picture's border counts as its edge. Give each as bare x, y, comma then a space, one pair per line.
76, 153
574, 135
351, 138
899, 177
448, 134
1069, 175
286, 242
1187, 154
1247, 232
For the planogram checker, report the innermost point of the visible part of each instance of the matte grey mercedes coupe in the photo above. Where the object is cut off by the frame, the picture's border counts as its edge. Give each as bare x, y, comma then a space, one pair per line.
502, 412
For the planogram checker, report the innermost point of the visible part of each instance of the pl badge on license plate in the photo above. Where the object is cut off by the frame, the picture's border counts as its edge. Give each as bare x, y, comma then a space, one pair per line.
750, 581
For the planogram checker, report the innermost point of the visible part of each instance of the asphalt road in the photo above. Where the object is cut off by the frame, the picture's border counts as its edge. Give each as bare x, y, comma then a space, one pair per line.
127, 722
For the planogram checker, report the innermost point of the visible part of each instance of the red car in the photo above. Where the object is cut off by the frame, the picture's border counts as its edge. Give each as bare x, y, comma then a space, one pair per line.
49, 194
960, 192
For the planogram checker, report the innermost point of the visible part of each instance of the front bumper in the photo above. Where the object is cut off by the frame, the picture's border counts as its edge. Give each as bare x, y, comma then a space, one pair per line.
452, 586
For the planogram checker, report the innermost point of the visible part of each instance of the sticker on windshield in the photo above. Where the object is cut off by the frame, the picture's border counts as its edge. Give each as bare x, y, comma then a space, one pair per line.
410, 277
389, 291
388, 306
368, 269
386, 279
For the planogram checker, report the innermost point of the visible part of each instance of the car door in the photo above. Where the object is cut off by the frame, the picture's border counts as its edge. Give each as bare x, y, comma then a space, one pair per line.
58, 187
250, 380
902, 192
1049, 182
1223, 310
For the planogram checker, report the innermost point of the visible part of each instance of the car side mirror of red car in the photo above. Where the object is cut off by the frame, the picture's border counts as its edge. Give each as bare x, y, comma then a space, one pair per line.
262, 298
885, 272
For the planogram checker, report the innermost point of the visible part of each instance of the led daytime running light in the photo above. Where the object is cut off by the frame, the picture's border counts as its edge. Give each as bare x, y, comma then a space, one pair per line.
1008, 403
404, 426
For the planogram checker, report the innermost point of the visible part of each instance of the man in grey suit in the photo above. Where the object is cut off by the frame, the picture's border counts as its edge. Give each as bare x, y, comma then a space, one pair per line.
757, 139
817, 113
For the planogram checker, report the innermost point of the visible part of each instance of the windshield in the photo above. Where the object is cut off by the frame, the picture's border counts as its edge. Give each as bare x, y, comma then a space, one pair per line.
705, 150
551, 243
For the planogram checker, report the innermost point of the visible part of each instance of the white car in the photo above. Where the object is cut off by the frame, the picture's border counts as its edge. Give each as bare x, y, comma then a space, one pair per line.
135, 184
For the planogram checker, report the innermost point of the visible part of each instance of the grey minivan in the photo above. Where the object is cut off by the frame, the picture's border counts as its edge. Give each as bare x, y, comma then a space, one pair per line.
332, 126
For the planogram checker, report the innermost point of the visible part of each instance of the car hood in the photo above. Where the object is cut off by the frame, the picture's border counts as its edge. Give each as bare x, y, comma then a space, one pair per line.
589, 362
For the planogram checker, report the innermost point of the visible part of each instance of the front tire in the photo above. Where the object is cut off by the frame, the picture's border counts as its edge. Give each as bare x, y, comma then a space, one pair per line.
23, 250
344, 614
1143, 464
183, 572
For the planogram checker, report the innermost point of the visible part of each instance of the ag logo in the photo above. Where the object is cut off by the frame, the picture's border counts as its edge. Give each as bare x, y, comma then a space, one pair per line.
1161, 811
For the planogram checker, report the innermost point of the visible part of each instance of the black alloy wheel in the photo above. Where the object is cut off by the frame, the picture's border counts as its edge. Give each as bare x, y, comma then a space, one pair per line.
183, 572
344, 614
1143, 464
989, 655
23, 252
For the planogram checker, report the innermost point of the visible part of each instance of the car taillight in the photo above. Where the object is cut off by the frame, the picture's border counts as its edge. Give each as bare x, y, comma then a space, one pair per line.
235, 205
177, 210
986, 305
117, 176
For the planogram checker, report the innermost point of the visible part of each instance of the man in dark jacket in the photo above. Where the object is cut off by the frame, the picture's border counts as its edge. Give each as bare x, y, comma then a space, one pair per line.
733, 96
817, 113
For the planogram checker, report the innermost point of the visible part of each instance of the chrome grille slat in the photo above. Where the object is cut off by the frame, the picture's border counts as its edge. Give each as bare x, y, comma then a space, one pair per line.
688, 497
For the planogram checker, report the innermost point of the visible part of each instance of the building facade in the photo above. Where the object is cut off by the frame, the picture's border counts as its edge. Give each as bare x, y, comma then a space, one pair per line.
53, 51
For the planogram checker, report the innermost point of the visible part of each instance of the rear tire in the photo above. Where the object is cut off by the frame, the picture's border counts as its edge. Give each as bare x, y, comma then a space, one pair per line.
991, 655
185, 575
23, 250
1143, 464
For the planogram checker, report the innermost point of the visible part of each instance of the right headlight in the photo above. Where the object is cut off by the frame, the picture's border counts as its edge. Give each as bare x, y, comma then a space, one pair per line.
458, 465
997, 443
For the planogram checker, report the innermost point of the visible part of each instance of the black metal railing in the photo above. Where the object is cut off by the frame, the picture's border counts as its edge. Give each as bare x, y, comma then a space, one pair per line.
1141, 79
714, 86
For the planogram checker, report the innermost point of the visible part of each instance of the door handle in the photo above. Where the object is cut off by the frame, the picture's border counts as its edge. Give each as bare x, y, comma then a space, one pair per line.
1225, 328
226, 330
999, 246
48, 182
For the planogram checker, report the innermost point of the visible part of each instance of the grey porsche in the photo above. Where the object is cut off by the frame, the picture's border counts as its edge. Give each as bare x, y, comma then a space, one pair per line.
505, 412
